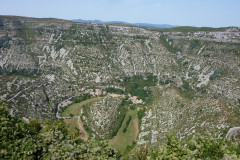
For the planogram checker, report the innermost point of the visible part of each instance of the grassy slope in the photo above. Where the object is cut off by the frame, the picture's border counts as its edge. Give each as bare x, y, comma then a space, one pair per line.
75, 109
72, 124
121, 141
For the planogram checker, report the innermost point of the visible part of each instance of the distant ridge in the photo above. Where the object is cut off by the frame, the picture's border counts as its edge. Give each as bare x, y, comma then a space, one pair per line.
120, 22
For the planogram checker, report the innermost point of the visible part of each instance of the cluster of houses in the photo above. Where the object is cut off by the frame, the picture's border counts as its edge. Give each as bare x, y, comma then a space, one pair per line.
135, 100
100, 92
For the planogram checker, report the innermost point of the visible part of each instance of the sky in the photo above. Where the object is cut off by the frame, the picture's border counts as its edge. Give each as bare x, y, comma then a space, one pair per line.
199, 13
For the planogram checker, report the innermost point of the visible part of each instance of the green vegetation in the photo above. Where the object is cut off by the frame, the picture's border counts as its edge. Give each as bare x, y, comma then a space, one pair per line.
25, 32
75, 109
88, 129
133, 107
169, 47
215, 74
136, 85
35, 125
33, 140
162, 82
31, 73
119, 122
81, 98
201, 147
4, 41
188, 29
127, 123
141, 114
187, 90
87, 46
72, 124
91, 39
171, 151
128, 138
194, 43
130, 147
20, 140
126, 101
114, 90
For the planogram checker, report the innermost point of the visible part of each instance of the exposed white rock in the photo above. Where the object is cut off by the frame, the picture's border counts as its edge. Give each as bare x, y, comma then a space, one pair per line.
51, 38
147, 41
204, 79
54, 54
25, 119
63, 53
232, 132
197, 67
42, 59
201, 49
50, 77
70, 65
98, 79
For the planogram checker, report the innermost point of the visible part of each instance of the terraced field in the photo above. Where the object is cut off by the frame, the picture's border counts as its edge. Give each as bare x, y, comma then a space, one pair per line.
122, 140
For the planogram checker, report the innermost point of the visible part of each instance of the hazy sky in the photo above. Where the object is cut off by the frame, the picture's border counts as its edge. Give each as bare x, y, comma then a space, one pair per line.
214, 13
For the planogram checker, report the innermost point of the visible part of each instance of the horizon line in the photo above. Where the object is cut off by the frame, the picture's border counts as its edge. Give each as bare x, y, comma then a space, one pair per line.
126, 23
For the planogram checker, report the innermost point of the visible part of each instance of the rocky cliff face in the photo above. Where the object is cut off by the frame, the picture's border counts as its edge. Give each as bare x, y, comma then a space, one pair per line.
44, 61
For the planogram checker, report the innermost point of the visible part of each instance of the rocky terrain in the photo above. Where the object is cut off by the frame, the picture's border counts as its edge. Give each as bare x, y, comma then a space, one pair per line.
46, 61
171, 112
101, 115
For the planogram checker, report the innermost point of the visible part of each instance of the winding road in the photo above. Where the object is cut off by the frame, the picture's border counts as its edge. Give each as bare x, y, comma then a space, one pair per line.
232, 132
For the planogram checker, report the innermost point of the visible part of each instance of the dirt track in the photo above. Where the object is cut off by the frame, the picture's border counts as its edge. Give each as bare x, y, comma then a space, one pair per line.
135, 122
82, 130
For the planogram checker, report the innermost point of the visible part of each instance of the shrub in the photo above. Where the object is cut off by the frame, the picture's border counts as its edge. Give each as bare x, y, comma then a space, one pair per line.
170, 48
35, 125
194, 43
126, 101
215, 74
209, 147
127, 123
141, 114
129, 148
114, 90
124, 129
187, 90
136, 85
71, 115
173, 150
4, 41
81, 98
119, 122
133, 107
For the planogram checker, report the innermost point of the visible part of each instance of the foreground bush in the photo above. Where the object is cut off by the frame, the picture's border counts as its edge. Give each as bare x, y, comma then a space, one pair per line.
21, 140
201, 147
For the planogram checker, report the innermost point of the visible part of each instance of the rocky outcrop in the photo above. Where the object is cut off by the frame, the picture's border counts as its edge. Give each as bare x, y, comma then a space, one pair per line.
45, 61
102, 115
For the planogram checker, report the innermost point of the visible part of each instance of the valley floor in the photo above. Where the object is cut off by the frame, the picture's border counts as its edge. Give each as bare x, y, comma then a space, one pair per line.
122, 140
